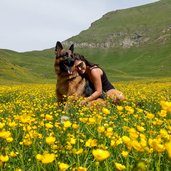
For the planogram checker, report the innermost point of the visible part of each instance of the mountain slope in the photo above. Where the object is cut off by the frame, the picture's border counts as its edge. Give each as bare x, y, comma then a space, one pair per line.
35, 66
130, 27
129, 44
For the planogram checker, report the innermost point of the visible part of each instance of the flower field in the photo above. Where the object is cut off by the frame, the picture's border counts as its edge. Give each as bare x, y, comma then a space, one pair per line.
36, 134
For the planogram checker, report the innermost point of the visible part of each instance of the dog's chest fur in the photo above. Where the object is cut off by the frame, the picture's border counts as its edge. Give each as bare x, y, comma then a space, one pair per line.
71, 86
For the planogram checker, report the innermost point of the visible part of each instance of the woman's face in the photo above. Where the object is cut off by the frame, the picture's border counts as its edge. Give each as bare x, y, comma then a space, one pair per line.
80, 66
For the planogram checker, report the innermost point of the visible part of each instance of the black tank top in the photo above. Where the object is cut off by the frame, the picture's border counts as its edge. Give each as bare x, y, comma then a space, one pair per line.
106, 85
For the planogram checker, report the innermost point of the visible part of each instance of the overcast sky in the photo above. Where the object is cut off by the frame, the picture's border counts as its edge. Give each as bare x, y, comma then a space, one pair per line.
27, 25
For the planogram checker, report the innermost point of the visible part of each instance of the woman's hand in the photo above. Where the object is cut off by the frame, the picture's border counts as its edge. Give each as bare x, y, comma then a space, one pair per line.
83, 102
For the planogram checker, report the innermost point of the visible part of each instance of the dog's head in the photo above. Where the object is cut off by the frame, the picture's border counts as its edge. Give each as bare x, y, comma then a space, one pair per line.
64, 63
60, 52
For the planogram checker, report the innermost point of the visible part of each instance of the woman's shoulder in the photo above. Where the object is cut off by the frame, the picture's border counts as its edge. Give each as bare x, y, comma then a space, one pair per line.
96, 70
93, 67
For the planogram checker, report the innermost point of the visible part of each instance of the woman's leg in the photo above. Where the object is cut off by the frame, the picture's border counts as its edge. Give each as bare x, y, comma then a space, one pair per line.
115, 95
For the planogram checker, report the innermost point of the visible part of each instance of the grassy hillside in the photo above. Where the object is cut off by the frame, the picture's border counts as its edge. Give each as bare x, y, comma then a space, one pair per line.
149, 21
35, 66
129, 44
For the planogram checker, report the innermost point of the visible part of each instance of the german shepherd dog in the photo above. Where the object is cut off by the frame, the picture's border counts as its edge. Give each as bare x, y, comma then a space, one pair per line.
69, 82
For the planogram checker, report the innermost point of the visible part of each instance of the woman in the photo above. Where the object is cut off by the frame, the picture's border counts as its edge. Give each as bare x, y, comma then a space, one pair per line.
98, 80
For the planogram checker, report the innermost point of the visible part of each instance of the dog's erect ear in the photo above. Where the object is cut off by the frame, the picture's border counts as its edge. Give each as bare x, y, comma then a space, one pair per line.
72, 48
59, 46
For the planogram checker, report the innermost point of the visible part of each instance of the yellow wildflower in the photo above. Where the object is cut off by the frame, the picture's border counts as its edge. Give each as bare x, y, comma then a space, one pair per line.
63, 166
75, 126
120, 108
4, 158
149, 115
133, 133
81, 169
67, 124
129, 109
126, 139
2, 125
50, 140
125, 153
166, 105
5, 134
140, 128
100, 154
162, 113
9, 139
101, 129
27, 142
12, 154
105, 111
48, 125
91, 143
72, 141
80, 151
47, 158
39, 157
119, 166
48, 117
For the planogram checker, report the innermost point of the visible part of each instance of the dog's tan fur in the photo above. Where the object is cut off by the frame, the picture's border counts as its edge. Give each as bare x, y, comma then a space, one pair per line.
67, 84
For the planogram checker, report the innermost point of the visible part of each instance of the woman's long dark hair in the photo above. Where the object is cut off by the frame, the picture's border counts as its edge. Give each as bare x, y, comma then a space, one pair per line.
82, 58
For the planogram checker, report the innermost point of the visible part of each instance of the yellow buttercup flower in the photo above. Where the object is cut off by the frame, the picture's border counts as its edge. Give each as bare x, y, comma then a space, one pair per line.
129, 109
91, 143
50, 140
67, 124
9, 139
5, 134
149, 115
75, 126
120, 108
48, 117
12, 154
81, 169
80, 151
166, 105
140, 128
133, 133
101, 129
2, 125
162, 113
105, 111
4, 158
48, 125
63, 166
48, 158
119, 166
100, 154
125, 153
39, 157
126, 139
168, 148
72, 141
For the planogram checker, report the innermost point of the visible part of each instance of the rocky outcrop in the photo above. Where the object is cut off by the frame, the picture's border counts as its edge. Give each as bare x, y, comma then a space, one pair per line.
125, 40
